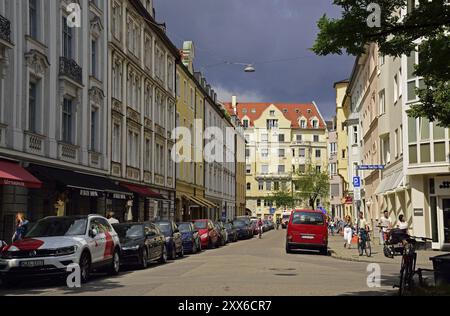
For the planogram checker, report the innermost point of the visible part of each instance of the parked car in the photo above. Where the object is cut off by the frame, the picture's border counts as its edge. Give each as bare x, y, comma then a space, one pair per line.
174, 242
141, 243
55, 242
191, 237
208, 235
223, 236
307, 230
246, 219
270, 225
231, 232
244, 231
265, 226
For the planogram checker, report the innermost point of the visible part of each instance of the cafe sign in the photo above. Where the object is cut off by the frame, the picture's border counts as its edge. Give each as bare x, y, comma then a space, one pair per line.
442, 185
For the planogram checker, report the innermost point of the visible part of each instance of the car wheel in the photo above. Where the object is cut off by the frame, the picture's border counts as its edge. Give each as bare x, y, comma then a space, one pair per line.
85, 267
194, 247
324, 251
288, 249
163, 258
115, 265
199, 246
223, 242
144, 259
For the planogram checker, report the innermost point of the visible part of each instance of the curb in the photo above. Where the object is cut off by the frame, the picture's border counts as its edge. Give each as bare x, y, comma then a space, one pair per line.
336, 256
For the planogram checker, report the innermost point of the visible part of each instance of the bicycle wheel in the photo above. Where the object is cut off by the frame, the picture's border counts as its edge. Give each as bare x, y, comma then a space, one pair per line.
368, 249
360, 248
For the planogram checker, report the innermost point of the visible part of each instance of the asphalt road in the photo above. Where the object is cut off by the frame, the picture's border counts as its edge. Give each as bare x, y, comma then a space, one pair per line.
257, 267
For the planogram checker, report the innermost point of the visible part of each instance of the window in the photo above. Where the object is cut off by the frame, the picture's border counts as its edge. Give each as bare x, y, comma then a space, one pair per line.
281, 138
116, 141
178, 87
272, 124
382, 102
355, 135
33, 13
315, 124
299, 138
396, 143
318, 169
318, 153
148, 155
303, 124
67, 39
245, 122
247, 152
265, 169
281, 153
395, 88
258, 202
268, 185
316, 138
272, 113
302, 152
276, 185
386, 150
133, 150
264, 152
301, 169
281, 169
260, 185
248, 169
333, 148
401, 139
249, 186
32, 108
67, 117
333, 169
264, 138
94, 58
94, 123
343, 154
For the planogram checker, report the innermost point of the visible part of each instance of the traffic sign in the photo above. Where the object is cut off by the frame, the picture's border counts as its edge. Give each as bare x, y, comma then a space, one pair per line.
370, 167
357, 194
356, 182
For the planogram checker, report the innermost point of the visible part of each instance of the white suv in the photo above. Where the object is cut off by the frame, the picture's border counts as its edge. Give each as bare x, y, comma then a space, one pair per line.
53, 243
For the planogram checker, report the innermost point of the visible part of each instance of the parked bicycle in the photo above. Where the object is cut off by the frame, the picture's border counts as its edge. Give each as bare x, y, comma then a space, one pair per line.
397, 243
364, 245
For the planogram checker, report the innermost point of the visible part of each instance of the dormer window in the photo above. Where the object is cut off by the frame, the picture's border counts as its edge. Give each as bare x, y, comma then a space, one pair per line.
302, 124
315, 124
244, 111
253, 110
272, 113
285, 111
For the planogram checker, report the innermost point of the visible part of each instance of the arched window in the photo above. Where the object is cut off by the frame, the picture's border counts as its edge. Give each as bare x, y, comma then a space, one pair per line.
249, 186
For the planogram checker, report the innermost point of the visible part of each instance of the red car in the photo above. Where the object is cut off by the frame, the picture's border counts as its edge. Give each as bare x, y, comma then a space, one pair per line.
209, 237
307, 230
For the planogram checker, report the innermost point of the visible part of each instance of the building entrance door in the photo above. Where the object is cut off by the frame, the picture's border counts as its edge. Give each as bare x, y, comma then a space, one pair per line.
446, 220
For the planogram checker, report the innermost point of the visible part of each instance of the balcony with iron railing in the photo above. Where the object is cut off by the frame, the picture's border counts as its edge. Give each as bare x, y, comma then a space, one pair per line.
5, 29
70, 69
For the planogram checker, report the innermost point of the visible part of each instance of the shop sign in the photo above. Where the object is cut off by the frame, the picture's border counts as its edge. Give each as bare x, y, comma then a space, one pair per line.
11, 182
442, 185
348, 200
418, 212
88, 193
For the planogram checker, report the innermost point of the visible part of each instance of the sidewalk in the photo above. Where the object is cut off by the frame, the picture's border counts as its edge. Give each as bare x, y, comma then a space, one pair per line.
337, 250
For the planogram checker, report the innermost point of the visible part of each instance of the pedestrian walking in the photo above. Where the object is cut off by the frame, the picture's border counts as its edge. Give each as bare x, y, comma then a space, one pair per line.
348, 232
21, 227
278, 223
111, 219
260, 225
385, 225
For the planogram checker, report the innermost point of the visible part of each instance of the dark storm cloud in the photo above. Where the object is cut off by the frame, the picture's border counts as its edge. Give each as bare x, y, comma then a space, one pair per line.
252, 31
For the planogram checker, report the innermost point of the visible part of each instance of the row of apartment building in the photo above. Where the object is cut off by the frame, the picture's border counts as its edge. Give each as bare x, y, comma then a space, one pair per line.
282, 140
87, 115
403, 162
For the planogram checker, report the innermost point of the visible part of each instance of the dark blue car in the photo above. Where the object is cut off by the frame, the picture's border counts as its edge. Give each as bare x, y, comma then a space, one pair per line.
190, 237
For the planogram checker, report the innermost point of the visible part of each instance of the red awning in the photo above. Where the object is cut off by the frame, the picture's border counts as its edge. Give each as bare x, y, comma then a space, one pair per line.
142, 190
13, 174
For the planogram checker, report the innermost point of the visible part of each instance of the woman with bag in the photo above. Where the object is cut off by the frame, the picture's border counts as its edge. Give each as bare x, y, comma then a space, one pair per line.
348, 232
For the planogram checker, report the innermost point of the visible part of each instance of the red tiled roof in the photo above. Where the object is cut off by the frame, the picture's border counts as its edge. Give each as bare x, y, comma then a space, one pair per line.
293, 112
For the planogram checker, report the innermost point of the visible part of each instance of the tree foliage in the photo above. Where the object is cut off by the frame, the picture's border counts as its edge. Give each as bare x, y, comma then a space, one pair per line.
312, 185
282, 199
428, 24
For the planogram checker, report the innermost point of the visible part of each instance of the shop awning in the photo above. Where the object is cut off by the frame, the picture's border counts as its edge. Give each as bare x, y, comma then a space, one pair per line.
81, 181
199, 201
143, 190
13, 174
207, 202
390, 183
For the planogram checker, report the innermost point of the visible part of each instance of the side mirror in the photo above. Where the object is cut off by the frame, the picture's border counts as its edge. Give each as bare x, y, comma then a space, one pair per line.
93, 232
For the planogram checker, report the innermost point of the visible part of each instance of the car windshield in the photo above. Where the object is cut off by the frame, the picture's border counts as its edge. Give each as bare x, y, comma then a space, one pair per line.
239, 224
60, 226
200, 225
129, 231
228, 226
165, 228
307, 218
246, 220
185, 227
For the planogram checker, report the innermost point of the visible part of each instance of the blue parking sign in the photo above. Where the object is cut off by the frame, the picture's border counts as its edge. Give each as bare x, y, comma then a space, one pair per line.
356, 182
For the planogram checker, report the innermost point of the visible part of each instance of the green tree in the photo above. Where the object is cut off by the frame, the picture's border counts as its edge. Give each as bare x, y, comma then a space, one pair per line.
282, 199
312, 185
396, 36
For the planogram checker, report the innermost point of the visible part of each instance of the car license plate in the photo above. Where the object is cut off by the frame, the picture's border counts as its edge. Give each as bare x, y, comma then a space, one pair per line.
32, 264
307, 237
